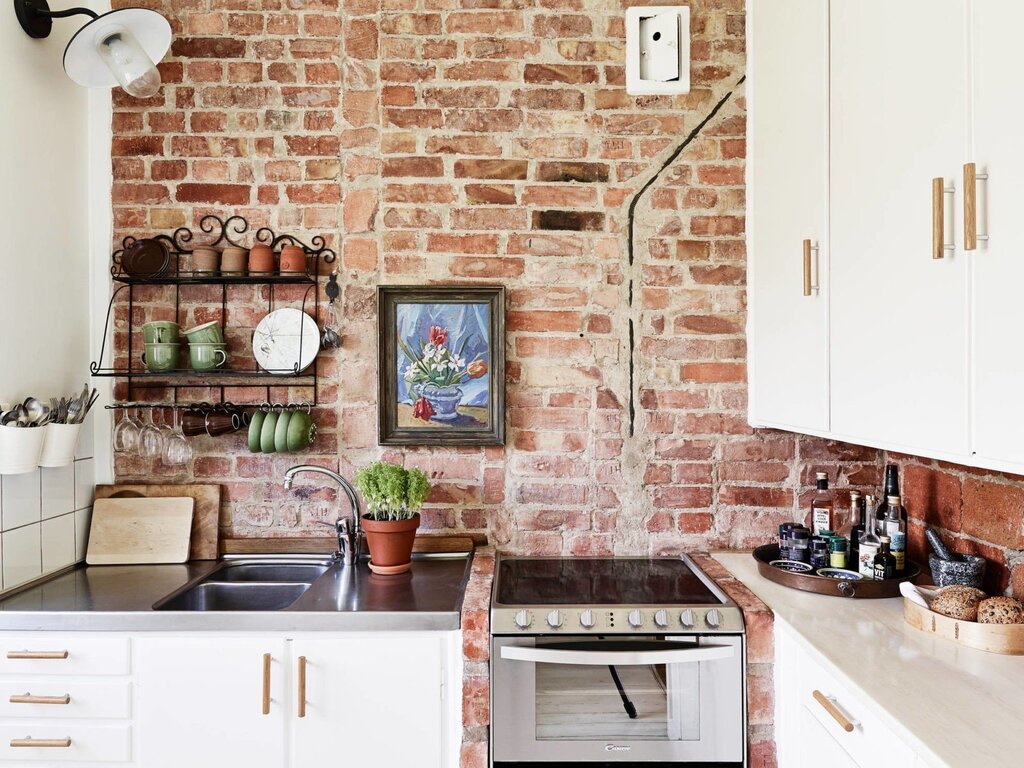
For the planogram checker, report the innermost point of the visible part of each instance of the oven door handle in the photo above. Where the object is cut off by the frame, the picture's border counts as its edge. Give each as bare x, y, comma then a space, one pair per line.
617, 658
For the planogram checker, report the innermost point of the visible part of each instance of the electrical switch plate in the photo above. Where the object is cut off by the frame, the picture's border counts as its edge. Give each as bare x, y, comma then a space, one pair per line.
657, 50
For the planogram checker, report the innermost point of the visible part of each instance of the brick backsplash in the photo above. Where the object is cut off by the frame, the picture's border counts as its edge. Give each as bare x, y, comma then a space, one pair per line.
444, 141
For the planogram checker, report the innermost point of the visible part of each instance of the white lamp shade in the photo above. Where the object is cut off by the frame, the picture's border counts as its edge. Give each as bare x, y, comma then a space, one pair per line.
82, 61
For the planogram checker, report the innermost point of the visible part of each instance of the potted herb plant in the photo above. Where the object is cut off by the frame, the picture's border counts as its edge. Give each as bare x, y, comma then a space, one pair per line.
393, 496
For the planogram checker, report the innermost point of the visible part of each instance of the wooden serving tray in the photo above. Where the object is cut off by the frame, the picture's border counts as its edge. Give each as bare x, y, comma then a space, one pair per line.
1006, 639
822, 585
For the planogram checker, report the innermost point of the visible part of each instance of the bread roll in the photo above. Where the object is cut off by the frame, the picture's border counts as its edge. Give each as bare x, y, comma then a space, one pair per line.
1000, 610
958, 602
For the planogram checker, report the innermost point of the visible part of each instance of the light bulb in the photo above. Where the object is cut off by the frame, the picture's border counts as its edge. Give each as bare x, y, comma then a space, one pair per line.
128, 63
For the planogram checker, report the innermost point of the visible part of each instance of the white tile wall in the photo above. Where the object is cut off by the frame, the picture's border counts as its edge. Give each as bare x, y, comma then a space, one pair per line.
44, 517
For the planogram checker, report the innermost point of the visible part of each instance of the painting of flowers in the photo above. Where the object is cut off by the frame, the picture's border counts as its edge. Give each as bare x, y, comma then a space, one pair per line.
442, 361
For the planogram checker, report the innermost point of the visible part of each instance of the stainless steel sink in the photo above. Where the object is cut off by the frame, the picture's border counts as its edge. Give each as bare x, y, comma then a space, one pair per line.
225, 596
257, 584
245, 571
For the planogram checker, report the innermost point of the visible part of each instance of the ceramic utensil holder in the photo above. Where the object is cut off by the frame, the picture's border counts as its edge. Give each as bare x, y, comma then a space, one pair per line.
233, 261
293, 260
59, 444
261, 259
205, 260
20, 449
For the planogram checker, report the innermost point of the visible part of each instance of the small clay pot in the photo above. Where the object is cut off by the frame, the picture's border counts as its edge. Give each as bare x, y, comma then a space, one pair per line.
205, 260
390, 543
261, 259
233, 261
293, 260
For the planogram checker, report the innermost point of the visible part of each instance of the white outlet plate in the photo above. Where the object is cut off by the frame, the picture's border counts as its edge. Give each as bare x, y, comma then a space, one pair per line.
657, 50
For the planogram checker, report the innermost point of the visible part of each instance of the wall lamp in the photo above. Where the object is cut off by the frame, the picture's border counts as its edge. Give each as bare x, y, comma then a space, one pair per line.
115, 48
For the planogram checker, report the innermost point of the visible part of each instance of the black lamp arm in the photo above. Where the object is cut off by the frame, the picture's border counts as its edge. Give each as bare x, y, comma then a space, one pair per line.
66, 13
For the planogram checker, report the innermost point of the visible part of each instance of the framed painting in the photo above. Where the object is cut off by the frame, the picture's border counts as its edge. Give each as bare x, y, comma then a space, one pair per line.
441, 365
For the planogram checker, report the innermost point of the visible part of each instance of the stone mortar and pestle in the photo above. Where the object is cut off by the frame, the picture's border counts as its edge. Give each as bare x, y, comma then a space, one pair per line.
949, 568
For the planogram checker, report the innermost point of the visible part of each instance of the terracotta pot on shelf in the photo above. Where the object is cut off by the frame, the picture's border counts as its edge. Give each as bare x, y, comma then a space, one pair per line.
390, 543
293, 260
233, 261
261, 259
205, 260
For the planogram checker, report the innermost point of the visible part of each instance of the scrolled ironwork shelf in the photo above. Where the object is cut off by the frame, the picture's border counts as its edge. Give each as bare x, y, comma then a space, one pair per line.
221, 233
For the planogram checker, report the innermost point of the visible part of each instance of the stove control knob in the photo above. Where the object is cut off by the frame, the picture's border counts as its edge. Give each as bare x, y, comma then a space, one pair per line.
523, 619
587, 620
635, 618
686, 618
713, 618
661, 618
555, 619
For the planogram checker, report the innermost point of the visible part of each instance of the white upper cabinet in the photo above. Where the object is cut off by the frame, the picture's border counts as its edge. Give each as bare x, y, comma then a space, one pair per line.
997, 320
898, 102
787, 178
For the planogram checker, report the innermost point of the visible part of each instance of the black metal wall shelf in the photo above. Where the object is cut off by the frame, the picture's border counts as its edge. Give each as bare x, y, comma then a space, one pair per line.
167, 271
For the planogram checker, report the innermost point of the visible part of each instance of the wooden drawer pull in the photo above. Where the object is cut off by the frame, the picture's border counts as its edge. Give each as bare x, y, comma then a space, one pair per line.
58, 655
302, 686
807, 267
829, 706
266, 683
28, 698
28, 741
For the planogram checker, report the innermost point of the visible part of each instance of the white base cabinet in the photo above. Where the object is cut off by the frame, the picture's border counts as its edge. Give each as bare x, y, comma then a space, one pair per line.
821, 722
274, 700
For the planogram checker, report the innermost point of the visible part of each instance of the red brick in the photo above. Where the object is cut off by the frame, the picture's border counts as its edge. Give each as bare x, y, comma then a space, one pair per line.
993, 512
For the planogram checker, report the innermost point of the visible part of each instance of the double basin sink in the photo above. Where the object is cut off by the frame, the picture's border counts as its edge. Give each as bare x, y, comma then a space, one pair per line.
249, 585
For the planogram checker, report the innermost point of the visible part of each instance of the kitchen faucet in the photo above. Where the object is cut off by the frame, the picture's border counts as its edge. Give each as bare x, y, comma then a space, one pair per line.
350, 537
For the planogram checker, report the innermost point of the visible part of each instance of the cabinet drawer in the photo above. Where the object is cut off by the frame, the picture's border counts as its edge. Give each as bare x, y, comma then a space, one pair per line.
44, 698
869, 742
88, 743
64, 654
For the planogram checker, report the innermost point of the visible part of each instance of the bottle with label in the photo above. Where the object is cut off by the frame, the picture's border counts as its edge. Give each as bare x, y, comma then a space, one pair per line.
837, 552
899, 551
892, 488
885, 563
822, 507
856, 525
894, 524
869, 542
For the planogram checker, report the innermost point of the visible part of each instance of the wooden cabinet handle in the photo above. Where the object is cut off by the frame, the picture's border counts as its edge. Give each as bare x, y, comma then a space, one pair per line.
302, 686
807, 267
829, 706
28, 698
971, 179
939, 192
266, 683
37, 655
28, 741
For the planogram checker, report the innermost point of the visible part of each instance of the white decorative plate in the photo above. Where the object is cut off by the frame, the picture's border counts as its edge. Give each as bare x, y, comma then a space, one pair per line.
283, 338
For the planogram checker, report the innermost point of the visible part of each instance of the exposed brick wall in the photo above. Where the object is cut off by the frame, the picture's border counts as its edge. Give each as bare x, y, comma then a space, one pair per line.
440, 142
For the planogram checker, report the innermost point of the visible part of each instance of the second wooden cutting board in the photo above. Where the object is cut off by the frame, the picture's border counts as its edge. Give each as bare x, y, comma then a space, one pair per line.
137, 531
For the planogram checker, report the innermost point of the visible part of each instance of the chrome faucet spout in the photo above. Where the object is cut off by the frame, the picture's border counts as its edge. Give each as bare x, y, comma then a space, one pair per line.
350, 537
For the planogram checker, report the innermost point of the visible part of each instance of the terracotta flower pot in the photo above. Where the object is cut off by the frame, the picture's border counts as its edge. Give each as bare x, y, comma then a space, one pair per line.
390, 543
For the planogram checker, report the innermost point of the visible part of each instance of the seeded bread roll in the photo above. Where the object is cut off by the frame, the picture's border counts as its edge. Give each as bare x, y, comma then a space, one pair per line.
1000, 610
958, 602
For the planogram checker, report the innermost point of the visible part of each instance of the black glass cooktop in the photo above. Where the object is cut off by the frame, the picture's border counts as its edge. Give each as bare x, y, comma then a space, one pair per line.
600, 581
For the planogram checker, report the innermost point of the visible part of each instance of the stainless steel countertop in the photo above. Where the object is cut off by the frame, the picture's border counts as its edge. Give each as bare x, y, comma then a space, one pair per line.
121, 597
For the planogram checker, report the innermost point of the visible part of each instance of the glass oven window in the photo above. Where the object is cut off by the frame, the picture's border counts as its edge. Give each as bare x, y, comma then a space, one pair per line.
628, 702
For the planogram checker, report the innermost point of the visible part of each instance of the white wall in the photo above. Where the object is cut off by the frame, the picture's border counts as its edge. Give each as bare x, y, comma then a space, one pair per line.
55, 235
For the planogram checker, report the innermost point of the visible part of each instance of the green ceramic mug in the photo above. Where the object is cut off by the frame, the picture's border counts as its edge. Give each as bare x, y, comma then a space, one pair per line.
301, 431
161, 332
206, 357
159, 358
207, 333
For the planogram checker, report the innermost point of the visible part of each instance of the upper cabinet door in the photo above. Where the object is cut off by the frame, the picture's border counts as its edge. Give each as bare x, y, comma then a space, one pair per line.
998, 263
899, 317
787, 99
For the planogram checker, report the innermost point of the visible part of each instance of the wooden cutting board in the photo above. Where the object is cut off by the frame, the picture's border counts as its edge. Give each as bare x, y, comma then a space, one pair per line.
136, 531
205, 519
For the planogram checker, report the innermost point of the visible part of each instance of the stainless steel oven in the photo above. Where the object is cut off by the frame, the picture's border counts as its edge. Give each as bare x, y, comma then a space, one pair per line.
616, 685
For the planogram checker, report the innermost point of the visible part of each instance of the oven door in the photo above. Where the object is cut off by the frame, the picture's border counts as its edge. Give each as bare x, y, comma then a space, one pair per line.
657, 699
